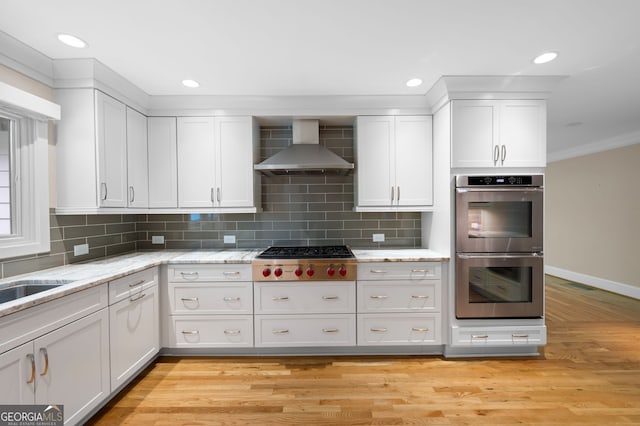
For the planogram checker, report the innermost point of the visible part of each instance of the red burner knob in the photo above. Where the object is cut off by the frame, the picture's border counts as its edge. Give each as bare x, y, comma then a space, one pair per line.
298, 271
342, 271
310, 272
266, 272
331, 271
278, 272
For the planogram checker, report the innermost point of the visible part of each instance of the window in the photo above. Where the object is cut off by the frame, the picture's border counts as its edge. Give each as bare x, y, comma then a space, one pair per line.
24, 188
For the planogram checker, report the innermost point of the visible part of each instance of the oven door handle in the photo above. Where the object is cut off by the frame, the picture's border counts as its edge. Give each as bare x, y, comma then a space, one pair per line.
500, 189
498, 255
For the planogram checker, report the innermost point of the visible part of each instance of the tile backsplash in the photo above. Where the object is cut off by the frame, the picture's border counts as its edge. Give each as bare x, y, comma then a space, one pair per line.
297, 210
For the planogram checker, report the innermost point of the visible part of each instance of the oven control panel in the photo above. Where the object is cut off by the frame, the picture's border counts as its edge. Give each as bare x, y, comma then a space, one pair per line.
304, 270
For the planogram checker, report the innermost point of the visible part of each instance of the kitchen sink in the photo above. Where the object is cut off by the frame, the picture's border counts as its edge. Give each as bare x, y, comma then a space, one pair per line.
19, 289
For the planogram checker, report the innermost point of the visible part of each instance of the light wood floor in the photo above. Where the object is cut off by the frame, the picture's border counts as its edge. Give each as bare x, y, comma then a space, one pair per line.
589, 374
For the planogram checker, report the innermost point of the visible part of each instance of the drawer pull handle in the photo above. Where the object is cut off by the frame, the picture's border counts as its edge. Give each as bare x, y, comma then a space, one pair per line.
46, 361
420, 271
479, 336
189, 299
234, 332
378, 330
280, 331
419, 297
520, 336
381, 296
232, 299
189, 275
419, 330
231, 273
136, 284
378, 271
276, 299
190, 332
140, 296
32, 359
330, 330
330, 297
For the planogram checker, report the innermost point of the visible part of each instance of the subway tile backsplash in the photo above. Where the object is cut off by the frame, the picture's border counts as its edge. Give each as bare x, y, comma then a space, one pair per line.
297, 210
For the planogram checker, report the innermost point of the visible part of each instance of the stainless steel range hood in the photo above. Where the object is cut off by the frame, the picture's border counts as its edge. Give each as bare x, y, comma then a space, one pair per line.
305, 155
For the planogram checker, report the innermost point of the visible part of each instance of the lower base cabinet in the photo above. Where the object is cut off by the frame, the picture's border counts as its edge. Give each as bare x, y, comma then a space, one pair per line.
404, 329
305, 330
498, 336
209, 331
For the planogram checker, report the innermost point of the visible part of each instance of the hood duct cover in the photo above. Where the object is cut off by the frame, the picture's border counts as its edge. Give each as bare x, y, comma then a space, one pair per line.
305, 155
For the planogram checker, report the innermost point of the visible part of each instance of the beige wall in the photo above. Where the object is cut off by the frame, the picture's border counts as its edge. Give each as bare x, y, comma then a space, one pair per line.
593, 215
27, 84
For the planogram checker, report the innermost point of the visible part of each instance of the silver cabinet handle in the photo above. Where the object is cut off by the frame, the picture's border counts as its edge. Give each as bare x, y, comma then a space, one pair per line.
419, 330
190, 332
419, 297
378, 330
330, 297
420, 271
280, 331
233, 332
380, 296
330, 330
211, 196
231, 273
392, 195
504, 153
479, 336
138, 297
232, 299
189, 299
103, 189
520, 336
496, 154
378, 271
132, 194
43, 351
398, 199
136, 284
186, 275
280, 298
218, 197
32, 359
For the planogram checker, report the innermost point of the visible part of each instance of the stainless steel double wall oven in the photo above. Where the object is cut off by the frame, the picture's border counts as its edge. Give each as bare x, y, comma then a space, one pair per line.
499, 256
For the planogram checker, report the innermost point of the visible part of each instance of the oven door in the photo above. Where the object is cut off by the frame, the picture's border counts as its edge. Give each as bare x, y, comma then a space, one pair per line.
499, 286
494, 220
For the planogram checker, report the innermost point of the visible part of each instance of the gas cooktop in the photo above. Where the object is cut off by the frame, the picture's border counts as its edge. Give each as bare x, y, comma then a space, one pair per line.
313, 263
310, 252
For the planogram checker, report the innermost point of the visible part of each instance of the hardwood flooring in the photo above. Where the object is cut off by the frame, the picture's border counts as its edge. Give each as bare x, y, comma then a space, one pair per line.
589, 374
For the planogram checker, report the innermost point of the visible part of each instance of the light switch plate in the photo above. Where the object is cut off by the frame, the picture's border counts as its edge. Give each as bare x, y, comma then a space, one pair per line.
80, 249
157, 239
378, 238
229, 239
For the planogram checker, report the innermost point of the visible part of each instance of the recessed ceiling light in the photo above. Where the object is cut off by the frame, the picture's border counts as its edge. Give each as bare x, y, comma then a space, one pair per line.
545, 57
414, 82
72, 41
190, 83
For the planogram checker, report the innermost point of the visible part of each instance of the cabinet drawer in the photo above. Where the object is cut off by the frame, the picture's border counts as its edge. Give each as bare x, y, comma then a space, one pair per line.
218, 272
132, 285
212, 331
211, 298
499, 336
305, 330
407, 329
401, 296
310, 297
414, 271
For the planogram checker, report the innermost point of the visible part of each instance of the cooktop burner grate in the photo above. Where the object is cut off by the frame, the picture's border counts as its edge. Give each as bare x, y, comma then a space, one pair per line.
311, 252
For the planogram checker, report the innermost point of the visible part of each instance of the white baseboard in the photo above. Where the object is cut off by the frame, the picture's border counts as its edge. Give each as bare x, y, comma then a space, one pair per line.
612, 286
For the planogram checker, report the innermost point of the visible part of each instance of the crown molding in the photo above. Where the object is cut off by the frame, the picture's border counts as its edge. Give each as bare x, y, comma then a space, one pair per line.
26, 60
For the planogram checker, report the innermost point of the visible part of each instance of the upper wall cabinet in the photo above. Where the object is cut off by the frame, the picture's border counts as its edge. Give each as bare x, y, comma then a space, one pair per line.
498, 133
163, 162
137, 164
215, 163
394, 163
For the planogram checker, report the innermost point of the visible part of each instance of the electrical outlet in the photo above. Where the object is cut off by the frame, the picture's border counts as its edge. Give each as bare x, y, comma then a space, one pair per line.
157, 239
378, 238
229, 239
80, 249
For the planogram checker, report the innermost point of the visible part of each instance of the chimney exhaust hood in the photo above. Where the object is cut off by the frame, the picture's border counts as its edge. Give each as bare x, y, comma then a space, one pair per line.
305, 155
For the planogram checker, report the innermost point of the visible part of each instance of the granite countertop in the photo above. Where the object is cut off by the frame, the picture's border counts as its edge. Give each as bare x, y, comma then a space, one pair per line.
87, 275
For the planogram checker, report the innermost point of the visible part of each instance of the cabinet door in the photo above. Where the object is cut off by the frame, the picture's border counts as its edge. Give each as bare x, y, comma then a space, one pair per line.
522, 135
162, 160
111, 137
234, 165
374, 156
74, 366
472, 133
18, 375
137, 176
134, 334
196, 155
414, 161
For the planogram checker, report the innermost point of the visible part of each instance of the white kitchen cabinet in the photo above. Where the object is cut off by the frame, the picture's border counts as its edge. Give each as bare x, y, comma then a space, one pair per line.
210, 306
137, 169
399, 303
162, 162
499, 336
498, 133
305, 330
133, 324
215, 162
394, 158
17, 375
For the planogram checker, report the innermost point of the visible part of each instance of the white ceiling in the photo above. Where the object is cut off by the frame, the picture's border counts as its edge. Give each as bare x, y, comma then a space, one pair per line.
359, 47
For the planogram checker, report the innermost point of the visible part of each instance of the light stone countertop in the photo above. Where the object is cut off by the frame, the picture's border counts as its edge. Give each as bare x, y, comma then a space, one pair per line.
87, 275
